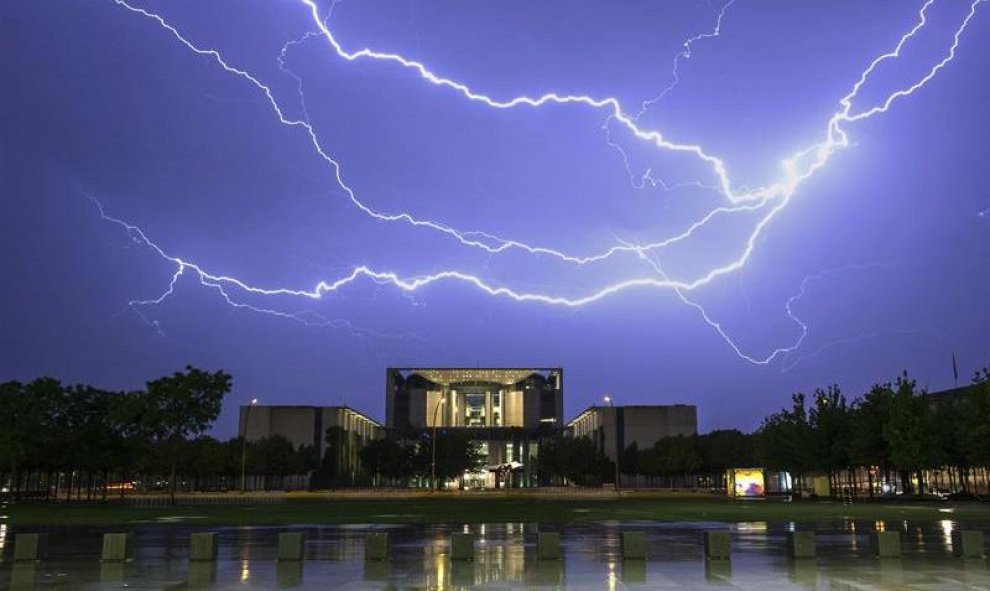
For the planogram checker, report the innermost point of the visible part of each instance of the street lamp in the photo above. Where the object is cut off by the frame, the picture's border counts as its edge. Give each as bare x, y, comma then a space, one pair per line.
433, 442
247, 416
618, 452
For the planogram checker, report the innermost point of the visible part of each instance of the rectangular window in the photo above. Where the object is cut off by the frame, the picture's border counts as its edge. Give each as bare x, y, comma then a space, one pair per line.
474, 410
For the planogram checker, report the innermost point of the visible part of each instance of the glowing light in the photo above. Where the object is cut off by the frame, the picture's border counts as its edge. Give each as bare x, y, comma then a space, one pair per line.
947, 526
768, 200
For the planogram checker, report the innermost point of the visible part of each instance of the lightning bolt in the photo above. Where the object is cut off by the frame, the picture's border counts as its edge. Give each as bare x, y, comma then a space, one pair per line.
789, 364
769, 199
675, 79
223, 285
685, 53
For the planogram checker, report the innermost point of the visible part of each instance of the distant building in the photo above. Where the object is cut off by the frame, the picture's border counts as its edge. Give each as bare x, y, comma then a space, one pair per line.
612, 427
505, 410
309, 426
952, 396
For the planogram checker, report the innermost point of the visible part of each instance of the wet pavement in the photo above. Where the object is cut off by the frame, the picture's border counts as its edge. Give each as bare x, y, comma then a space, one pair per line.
505, 558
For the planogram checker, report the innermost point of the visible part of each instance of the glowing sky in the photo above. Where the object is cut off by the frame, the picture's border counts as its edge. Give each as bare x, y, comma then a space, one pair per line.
706, 202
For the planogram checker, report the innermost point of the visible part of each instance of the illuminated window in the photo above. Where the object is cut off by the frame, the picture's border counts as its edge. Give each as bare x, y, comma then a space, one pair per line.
474, 410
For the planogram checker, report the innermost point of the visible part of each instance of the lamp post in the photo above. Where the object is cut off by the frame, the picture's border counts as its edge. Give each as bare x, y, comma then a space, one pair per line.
247, 417
618, 452
433, 442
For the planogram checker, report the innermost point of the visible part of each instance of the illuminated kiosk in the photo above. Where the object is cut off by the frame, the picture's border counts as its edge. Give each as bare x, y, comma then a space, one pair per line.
746, 483
507, 411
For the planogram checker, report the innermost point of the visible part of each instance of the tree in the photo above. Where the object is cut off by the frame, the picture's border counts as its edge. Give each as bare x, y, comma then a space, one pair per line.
629, 460
335, 469
949, 418
723, 450
204, 459
17, 419
133, 443
388, 459
785, 440
275, 458
867, 445
574, 459
909, 432
183, 405
974, 425
830, 423
455, 453
679, 455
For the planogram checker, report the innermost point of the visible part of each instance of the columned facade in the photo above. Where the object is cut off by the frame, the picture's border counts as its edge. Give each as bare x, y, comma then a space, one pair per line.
505, 411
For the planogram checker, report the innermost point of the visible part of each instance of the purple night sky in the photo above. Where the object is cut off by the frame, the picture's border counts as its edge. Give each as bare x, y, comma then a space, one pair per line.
534, 223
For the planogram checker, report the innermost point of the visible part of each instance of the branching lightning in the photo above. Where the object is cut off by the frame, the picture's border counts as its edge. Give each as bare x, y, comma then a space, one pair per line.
768, 200
647, 177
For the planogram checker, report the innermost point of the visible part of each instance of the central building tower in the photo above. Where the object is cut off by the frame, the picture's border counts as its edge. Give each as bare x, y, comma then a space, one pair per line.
506, 411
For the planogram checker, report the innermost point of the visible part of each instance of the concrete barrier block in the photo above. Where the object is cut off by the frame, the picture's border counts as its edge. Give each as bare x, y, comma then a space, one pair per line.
548, 545
288, 574
118, 547
203, 547
377, 570
968, 543
633, 545
201, 575
24, 576
803, 573
550, 572
291, 546
892, 574
718, 572
633, 573
718, 545
801, 544
462, 575
462, 546
114, 572
887, 544
30, 547
376, 546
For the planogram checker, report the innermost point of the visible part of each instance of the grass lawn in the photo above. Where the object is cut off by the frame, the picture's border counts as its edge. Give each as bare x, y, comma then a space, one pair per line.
491, 509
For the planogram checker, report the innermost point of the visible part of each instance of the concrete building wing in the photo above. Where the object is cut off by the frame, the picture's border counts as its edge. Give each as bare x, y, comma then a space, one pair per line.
614, 428
305, 425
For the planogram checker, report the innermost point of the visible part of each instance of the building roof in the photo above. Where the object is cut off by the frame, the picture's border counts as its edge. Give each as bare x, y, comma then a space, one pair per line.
597, 407
314, 407
499, 375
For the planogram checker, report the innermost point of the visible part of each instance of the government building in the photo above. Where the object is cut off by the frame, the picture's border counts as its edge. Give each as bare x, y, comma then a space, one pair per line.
506, 412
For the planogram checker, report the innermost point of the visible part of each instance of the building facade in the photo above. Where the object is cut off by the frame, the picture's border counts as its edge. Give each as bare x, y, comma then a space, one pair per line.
614, 428
506, 411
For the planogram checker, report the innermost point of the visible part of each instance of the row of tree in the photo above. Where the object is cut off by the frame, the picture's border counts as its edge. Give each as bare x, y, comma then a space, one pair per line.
74, 437
896, 428
397, 462
896, 432
84, 442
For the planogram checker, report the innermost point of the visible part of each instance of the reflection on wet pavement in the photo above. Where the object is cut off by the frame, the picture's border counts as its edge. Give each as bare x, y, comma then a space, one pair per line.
505, 559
